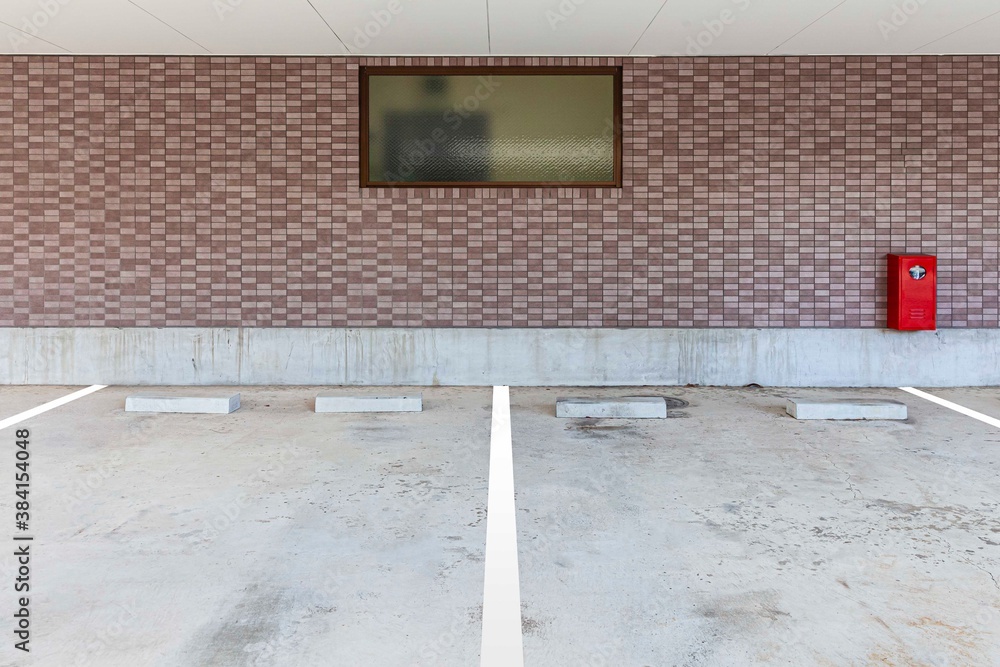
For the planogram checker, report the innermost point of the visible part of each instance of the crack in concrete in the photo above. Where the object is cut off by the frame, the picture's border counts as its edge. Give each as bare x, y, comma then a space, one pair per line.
996, 584
968, 561
847, 480
847, 476
965, 560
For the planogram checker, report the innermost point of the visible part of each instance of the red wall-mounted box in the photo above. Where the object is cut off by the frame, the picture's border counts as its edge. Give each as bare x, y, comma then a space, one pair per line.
912, 292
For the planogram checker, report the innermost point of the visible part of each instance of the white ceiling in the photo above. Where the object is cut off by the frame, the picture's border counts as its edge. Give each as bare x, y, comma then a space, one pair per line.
500, 27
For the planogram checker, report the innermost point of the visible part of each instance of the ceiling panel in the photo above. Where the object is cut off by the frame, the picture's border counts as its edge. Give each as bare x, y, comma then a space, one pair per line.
728, 27
570, 27
889, 26
500, 27
980, 37
13, 40
249, 26
94, 26
400, 27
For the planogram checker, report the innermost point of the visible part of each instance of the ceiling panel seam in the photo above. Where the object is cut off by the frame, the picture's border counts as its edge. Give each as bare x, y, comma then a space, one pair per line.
323, 19
955, 31
28, 34
193, 41
646, 29
806, 27
489, 38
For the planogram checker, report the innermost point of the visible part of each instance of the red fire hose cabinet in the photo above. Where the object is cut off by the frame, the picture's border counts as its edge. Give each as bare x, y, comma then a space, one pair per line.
912, 292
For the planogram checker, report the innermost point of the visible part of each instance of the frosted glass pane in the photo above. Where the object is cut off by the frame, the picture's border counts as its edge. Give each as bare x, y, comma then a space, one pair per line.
491, 127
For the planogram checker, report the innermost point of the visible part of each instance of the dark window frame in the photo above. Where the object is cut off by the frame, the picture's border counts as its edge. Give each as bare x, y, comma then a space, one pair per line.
365, 72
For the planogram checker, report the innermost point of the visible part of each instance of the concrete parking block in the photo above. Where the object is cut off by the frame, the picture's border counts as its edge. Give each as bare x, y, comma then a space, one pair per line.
183, 404
329, 403
845, 408
628, 407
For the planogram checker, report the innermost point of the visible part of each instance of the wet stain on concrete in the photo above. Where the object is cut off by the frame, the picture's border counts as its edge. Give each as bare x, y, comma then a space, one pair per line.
601, 429
253, 620
596, 425
744, 610
675, 403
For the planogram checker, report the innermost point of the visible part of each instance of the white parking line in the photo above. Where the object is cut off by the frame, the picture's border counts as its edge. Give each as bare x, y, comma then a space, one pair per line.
986, 419
502, 642
34, 412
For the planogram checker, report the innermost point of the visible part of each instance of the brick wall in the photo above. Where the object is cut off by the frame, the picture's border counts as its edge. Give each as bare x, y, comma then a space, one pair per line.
182, 191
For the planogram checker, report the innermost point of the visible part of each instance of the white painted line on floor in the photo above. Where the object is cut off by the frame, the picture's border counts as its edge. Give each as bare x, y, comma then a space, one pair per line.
51, 405
502, 643
986, 419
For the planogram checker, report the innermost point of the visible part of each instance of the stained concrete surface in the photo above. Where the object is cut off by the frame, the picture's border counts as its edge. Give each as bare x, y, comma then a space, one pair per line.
733, 535
271, 536
727, 534
982, 399
338, 403
15, 400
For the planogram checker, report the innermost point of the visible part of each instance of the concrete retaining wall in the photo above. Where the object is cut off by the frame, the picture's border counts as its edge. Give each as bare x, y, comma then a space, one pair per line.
572, 357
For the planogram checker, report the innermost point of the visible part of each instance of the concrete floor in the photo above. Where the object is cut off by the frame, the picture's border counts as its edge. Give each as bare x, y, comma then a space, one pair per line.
272, 536
14, 400
734, 535
727, 535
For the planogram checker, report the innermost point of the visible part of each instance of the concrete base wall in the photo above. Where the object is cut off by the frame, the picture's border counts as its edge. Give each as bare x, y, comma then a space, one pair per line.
571, 357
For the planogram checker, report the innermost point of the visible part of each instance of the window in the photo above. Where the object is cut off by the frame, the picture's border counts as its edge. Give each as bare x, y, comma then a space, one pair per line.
490, 126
